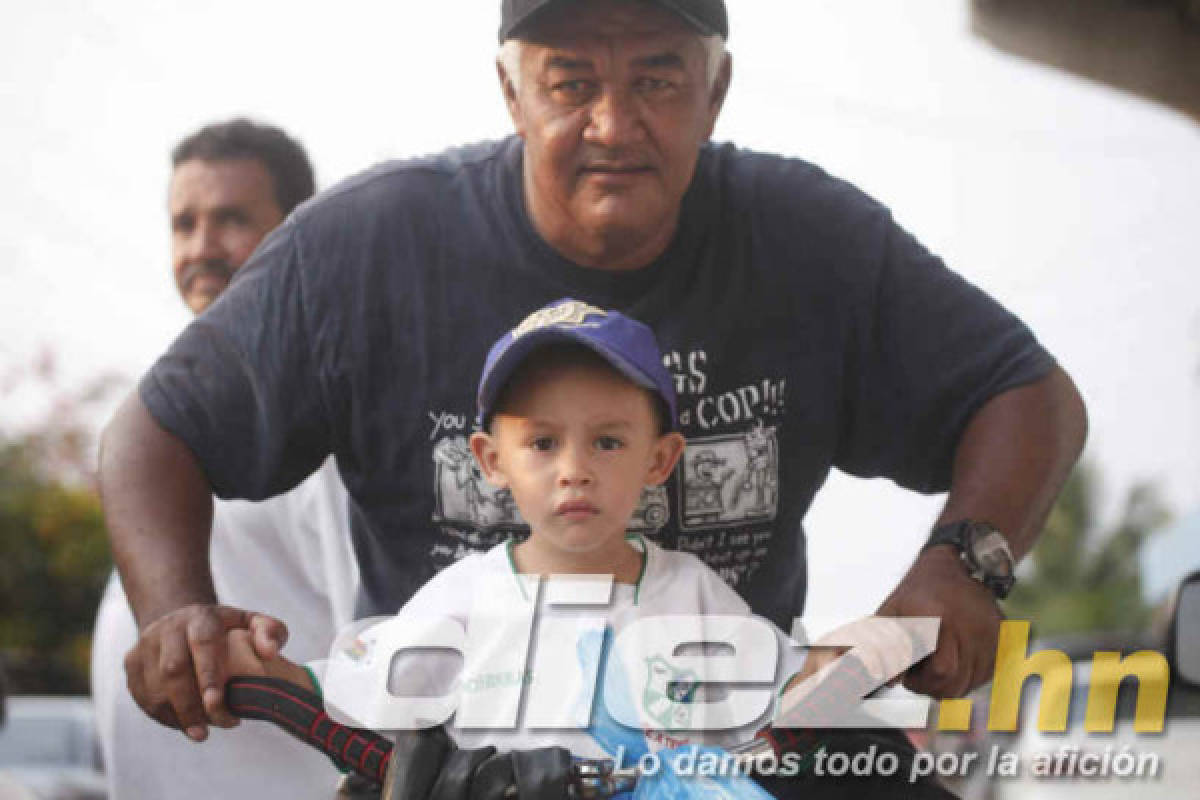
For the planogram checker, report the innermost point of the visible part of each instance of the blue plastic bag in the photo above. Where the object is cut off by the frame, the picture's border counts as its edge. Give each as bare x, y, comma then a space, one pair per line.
612, 690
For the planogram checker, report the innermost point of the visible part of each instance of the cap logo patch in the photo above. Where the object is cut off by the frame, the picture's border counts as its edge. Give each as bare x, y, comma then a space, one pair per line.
572, 314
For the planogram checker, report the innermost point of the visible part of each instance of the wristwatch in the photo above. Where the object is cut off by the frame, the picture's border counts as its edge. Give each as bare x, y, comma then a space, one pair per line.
984, 552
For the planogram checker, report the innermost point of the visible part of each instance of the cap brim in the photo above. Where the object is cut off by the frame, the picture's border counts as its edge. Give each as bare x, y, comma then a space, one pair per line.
514, 28
690, 18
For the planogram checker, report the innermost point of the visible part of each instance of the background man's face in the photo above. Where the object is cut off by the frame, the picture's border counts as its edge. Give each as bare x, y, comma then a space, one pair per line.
613, 104
220, 211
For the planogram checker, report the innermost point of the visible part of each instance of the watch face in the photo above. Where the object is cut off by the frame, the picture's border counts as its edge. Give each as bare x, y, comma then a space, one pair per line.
991, 554
983, 550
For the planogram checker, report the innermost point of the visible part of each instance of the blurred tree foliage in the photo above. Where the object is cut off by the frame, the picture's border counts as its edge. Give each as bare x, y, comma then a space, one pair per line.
54, 556
1085, 579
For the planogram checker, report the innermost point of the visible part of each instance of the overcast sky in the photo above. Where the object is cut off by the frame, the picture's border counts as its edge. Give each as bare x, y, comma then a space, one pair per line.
1075, 205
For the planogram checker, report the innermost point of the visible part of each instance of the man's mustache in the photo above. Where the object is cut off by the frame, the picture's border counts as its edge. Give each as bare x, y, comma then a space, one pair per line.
218, 268
621, 157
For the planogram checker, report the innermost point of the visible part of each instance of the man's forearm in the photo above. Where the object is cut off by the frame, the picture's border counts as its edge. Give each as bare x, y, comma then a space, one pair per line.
158, 508
1011, 461
1014, 457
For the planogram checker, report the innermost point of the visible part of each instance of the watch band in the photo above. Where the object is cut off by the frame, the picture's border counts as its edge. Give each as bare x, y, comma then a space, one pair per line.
950, 533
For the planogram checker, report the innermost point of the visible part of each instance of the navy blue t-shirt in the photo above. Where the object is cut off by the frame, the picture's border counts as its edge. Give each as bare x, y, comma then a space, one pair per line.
804, 328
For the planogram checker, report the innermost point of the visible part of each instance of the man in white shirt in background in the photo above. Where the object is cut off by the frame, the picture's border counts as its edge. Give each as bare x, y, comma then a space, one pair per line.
231, 184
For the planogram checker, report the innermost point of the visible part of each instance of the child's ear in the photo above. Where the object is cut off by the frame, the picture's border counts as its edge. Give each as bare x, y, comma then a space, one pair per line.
483, 446
665, 456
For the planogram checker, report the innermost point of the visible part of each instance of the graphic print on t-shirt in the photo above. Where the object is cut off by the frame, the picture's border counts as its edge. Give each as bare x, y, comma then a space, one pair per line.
463, 496
730, 479
727, 482
652, 511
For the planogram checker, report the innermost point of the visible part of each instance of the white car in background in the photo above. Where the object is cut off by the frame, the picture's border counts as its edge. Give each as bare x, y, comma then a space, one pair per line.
49, 750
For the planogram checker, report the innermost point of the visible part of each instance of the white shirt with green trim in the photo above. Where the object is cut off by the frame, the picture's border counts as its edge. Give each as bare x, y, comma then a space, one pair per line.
529, 669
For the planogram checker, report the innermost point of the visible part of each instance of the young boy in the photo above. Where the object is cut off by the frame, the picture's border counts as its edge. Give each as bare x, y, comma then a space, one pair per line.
577, 416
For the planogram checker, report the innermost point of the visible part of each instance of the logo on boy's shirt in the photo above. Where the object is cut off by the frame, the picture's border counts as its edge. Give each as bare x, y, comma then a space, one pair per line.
668, 693
490, 681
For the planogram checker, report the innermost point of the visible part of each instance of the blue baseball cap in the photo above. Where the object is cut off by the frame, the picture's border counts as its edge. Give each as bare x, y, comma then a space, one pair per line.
628, 345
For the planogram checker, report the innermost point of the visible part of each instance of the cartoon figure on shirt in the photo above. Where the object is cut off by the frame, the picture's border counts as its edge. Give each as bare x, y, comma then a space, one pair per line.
704, 489
730, 478
759, 477
463, 495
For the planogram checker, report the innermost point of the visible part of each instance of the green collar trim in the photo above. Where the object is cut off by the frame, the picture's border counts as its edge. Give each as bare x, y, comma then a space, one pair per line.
637, 586
629, 537
512, 563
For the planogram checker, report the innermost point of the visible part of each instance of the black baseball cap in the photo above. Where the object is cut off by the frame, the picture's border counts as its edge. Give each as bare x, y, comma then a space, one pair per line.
706, 16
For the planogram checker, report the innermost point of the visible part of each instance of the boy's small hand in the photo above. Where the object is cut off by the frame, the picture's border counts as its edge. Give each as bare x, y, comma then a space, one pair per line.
243, 658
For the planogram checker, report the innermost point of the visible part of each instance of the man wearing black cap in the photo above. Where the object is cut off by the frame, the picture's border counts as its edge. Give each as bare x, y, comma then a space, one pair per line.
804, 328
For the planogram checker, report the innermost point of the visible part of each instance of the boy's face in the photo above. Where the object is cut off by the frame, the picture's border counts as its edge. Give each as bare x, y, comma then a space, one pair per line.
576, 444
